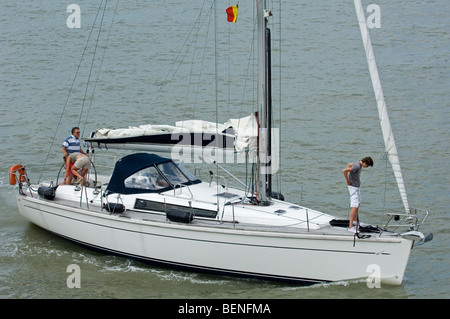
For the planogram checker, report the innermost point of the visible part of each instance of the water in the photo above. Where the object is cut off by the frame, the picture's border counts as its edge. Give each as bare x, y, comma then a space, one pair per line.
329, 118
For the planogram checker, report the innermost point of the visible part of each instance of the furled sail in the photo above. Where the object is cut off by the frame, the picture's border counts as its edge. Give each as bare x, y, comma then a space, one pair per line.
235, 135
388, 136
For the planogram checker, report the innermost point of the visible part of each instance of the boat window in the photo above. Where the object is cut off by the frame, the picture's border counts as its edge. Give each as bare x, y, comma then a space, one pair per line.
172, 173
186, 172
148, 205
148, 179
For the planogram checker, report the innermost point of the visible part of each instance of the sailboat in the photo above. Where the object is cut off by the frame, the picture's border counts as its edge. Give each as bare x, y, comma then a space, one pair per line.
153, 209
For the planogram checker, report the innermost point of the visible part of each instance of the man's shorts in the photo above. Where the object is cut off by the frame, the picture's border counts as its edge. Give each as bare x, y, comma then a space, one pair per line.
82, 162
355, 196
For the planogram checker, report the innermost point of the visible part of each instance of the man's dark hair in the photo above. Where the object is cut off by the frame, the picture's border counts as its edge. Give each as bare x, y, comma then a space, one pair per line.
368, 160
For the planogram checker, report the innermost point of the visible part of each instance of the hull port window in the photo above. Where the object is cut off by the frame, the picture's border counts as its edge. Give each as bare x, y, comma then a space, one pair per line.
161, 207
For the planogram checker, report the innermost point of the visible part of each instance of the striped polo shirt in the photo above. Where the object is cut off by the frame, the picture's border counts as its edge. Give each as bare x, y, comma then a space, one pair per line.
72, 144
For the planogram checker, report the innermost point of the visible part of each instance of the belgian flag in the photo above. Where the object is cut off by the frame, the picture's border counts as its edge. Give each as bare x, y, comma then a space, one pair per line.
232, 13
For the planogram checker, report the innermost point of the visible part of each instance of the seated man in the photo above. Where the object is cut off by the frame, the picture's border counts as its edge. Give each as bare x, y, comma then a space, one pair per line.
80, 161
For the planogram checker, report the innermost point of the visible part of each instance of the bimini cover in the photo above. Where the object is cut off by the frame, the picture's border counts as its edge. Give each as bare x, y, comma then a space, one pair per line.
127, 166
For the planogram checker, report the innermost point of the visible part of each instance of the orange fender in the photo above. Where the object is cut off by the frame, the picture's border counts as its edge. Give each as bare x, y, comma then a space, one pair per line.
20, 171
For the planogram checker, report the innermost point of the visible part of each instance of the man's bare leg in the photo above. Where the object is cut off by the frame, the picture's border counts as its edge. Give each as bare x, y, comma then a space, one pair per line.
353, 216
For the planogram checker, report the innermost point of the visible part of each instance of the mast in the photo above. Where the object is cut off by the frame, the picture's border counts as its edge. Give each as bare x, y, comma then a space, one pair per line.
269, 110
388, 136
263, 185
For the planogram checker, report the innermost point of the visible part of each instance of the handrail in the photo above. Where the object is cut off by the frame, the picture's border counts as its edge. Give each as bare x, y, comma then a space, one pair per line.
411, 220
181, 188
212, 175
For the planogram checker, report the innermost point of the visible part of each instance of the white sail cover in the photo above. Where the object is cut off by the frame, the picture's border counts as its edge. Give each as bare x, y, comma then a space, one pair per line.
245, 130
388, 136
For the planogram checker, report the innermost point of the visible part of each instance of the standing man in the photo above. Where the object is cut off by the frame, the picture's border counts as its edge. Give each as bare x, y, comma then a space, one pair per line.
72, 143
352, 173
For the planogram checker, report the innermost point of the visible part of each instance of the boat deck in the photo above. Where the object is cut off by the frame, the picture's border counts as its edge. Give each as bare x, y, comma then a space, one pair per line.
160, 217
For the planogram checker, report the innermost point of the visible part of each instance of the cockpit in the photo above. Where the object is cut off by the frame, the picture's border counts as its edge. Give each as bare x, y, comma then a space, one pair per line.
142, 172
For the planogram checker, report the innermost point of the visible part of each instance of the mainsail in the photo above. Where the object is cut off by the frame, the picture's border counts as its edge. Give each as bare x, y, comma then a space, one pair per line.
388, 136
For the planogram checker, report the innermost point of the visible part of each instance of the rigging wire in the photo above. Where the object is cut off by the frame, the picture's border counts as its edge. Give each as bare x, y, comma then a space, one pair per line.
100, 66
385, 157
70, 90
180, 57
193, 63
280, 174
92, 63
216, 80
201, 66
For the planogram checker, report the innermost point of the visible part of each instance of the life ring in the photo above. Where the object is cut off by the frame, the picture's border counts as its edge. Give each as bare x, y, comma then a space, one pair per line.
12, 174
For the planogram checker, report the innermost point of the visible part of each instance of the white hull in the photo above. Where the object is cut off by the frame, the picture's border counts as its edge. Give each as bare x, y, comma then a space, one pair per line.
301, 256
